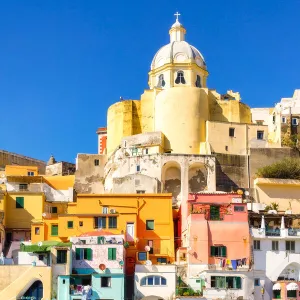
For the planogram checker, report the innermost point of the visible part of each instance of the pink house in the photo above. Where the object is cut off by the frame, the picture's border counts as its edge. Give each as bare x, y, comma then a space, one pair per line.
215, 244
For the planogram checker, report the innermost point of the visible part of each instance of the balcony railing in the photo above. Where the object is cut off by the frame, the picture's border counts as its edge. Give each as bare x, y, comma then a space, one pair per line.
273, 232
293, 232
286, 232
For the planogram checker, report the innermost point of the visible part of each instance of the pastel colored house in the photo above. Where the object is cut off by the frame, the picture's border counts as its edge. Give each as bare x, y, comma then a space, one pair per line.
98, 263
215, 253
276, 248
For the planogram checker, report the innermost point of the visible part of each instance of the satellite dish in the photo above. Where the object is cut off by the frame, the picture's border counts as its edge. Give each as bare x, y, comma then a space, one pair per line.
102, 267
44, 215
40, 244
147, 248
247, 193
148, 262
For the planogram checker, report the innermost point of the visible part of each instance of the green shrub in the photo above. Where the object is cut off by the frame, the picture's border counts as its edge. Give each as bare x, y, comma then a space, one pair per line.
288, 168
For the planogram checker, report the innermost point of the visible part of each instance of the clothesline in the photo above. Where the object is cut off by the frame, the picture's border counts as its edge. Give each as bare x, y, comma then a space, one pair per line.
233, 262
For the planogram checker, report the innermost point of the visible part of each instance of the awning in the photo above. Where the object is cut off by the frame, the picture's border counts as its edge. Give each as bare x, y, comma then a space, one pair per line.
292, 286
44, 246
276, 287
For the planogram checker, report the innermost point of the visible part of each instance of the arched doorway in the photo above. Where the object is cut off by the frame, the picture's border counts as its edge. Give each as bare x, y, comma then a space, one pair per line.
35, 290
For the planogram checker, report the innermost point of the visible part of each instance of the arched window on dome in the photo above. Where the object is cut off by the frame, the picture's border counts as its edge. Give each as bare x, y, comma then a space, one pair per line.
198, 81
161, 81
153, 281
180, 78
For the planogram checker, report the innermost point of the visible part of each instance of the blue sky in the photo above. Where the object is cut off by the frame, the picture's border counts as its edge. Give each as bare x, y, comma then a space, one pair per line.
63, 63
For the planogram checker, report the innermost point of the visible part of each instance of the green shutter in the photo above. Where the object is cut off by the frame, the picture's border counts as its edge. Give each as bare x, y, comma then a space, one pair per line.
110, 253
223, 251
19, 202
54, 230
78, 253
238, 282
212, 251
101, 240
89, 255
103, 222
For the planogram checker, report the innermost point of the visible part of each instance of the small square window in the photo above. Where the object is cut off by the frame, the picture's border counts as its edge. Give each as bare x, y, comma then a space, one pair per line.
61, 256
53, 210
96, 162
80, 223
149, 224
260, 134
105, 210
142, 256
41, 257
146, 151
70, 224
239, 208
105, 281
138, 168
256, 244
37, 230
283, 119
256, 282
294, 121
30, 173
231, 132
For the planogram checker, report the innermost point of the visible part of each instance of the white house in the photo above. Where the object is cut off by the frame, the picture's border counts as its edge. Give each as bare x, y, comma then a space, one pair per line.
158, 281
276, 253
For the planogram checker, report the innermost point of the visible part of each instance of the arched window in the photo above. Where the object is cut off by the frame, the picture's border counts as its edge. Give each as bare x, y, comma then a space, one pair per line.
161, 81
198, 81
180, 78
153, 281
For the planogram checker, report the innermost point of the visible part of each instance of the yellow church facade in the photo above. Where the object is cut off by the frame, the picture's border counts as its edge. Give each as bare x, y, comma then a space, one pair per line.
180, 106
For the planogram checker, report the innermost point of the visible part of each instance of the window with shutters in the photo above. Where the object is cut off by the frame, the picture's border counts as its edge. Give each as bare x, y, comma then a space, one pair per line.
275, 245
100, 222
277, 294
256, 244
53, 210
149, 224
101, 240
214, 213
112, 222
290, 246
54, 230
19, 202
84, 254
218, 251
61, 257
112, 253
228, 282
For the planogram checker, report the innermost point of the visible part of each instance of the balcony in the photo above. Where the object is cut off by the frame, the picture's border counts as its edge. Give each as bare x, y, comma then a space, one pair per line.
272, 232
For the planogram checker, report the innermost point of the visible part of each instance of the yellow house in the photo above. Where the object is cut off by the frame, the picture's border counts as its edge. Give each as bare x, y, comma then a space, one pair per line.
135, 216
11, 170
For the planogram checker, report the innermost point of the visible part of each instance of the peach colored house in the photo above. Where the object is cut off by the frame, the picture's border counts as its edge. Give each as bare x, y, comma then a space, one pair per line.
216, 246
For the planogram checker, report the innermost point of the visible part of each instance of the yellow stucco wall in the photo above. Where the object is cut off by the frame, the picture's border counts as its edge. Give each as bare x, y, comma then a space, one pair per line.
285, 192
60, 182
21, 217
245, 137
123, 119
12, 170
147, 110
180, 113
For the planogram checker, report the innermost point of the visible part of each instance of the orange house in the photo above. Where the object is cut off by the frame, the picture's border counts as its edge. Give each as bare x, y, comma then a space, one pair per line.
149, 231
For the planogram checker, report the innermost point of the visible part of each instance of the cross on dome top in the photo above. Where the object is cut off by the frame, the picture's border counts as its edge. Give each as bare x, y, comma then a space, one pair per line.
177, 15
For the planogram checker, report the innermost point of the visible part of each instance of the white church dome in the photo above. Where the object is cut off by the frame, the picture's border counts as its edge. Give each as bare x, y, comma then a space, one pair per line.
178, 50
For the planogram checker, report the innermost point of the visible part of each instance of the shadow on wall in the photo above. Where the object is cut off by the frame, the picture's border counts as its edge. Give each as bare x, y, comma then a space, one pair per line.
197, 178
